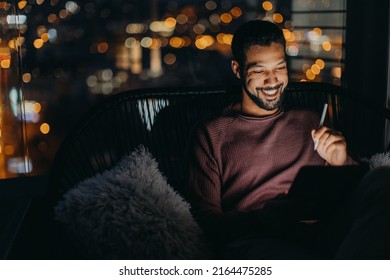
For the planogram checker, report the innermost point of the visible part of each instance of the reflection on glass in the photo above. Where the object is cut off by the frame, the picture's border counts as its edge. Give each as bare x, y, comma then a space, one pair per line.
319, 29
13, 154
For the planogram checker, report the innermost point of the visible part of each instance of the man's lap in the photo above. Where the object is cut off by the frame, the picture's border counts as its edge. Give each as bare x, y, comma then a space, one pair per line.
297, 243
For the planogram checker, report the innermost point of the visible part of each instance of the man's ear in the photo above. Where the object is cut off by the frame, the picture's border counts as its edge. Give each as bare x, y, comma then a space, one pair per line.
236, 68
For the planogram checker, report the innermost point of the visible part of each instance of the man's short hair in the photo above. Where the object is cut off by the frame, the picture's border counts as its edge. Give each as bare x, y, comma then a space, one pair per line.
255, 32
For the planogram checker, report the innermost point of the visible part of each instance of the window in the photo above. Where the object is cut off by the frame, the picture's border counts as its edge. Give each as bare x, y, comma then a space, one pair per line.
75, 52
316, 41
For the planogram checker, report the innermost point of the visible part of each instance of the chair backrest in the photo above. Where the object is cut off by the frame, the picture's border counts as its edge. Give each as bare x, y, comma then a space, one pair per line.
161, 120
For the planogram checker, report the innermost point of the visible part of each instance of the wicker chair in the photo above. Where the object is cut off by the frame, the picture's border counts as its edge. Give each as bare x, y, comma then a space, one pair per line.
161, 120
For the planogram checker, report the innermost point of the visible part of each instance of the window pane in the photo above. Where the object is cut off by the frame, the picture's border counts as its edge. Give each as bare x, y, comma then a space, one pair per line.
317, 5
318, 35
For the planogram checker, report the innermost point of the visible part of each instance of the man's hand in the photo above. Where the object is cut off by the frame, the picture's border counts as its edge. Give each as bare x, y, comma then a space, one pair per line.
331, 145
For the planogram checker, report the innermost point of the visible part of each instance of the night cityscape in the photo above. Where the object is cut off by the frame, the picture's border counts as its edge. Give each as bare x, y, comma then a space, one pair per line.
75, 53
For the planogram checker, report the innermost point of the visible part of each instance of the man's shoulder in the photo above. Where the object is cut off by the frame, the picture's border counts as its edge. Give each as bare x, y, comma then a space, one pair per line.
222, 119
216, 124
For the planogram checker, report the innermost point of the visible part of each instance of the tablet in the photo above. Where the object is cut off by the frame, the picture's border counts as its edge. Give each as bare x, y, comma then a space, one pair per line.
326, 182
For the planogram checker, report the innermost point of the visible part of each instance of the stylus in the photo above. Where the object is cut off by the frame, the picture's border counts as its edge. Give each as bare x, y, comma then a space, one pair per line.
321, 122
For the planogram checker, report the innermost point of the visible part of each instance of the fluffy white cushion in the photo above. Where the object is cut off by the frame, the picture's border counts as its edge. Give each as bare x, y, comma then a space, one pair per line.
130, 212
380, 159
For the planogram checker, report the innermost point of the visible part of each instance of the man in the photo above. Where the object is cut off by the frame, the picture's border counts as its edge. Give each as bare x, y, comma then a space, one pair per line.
242, 164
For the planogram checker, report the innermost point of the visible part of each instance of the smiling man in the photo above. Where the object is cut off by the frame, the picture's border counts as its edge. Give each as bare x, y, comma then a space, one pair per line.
265, 78
243, 163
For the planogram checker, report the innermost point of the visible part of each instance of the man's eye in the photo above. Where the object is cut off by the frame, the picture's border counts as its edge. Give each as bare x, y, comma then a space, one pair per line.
281, 68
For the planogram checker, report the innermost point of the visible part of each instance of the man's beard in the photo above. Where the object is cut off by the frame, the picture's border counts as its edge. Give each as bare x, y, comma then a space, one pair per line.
261, 103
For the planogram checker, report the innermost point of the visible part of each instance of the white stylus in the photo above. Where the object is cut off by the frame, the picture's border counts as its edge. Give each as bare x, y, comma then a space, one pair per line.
321, 122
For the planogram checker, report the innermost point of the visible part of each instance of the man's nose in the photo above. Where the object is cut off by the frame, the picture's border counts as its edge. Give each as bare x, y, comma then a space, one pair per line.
271, 78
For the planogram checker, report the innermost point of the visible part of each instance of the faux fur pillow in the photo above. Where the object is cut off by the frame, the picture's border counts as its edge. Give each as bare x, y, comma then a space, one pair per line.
380, 159
130, 212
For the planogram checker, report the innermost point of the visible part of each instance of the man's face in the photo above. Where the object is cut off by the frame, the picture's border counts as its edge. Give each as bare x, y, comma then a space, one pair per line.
265, 75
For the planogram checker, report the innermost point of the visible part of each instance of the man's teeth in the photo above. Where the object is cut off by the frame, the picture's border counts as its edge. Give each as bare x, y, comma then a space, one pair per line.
270, 92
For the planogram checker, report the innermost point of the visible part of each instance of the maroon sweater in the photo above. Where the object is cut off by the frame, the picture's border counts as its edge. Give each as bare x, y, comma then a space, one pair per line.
238, 163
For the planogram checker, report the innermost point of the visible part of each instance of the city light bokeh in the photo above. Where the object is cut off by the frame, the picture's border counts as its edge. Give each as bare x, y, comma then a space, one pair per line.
75, 53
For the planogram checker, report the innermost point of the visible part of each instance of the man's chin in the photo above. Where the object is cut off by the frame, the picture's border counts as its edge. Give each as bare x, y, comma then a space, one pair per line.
267, 105
273, 104
262, 102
